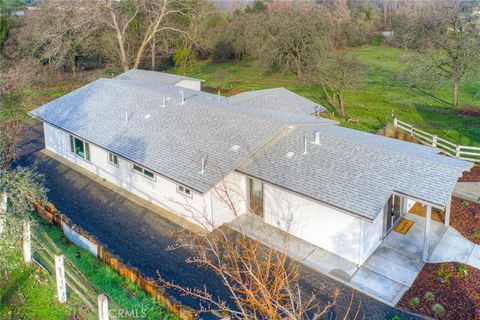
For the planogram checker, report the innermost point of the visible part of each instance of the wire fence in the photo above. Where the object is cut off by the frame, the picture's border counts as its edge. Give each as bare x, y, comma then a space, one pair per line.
448, 148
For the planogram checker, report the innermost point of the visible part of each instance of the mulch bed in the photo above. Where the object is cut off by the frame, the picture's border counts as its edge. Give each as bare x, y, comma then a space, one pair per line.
460, 298
465, 217
472, 176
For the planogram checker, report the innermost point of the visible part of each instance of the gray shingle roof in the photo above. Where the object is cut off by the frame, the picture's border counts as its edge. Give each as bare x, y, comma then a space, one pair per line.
171, 141
277, 99
153, 76
353, 170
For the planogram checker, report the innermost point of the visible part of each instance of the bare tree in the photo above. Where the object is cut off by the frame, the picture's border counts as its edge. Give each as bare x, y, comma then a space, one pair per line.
155, 17
447, 42
262, 281
10, 131
290, 40
338, 72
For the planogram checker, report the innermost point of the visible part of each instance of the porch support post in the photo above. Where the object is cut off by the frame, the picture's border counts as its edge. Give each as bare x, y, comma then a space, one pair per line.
428, 217
447, 212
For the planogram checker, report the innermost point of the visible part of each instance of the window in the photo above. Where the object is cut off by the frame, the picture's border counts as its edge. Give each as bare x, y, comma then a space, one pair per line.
113, 159
185, 191
144, 172
80, 148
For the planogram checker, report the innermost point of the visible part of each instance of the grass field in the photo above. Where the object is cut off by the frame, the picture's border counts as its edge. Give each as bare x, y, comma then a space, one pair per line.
30, 294
384, 91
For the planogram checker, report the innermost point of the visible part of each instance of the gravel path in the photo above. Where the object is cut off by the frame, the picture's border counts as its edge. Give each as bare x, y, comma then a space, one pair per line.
140, 236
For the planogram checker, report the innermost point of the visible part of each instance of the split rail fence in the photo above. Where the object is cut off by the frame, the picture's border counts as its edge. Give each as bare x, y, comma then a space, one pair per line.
446, 147
88, 242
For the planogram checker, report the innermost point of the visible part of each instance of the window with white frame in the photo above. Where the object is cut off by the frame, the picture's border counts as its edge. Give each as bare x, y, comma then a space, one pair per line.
113, 159
184, 190
144, 172
80, 148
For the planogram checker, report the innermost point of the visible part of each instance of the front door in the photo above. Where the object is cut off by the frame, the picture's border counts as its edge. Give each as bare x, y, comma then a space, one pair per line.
393, 213
255, 188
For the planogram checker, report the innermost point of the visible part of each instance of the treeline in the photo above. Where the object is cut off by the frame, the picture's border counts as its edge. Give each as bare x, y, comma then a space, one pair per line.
306, 39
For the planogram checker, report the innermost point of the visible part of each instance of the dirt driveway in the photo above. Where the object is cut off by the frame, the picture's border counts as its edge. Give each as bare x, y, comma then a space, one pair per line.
140, 236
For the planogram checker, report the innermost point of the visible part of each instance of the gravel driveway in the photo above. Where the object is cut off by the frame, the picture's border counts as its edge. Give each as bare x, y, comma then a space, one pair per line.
140, 236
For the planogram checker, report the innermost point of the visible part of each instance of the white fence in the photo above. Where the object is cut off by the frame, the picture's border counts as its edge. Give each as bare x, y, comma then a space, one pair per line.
446, 147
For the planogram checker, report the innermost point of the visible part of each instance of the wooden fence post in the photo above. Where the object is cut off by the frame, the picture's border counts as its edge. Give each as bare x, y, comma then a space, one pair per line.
434, 141
60, 277
102, 307
457, 152
27, 242
411, 130
3, 208
395, 122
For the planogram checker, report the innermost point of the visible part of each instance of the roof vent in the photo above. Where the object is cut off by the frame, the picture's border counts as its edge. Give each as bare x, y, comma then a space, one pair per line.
183, 97
164, 101
147, 116
290, 154
235, 148
317, 137
202, 171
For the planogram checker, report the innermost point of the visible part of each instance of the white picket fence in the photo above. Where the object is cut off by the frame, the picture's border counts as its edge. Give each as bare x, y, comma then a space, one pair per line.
446, 147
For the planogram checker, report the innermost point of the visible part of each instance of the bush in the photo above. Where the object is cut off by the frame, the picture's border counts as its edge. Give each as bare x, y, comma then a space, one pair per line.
438, 309
429, 296
462, 270
415, 302
443, 274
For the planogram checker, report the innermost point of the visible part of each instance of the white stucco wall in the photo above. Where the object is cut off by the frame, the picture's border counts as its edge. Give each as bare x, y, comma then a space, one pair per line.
162, 192
318, 224
371, 236
190, 84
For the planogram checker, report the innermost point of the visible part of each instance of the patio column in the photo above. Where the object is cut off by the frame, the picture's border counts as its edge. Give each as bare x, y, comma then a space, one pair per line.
447, 212
428, 217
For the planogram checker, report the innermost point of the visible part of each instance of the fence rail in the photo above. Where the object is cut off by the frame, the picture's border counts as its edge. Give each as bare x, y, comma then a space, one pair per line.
448, 148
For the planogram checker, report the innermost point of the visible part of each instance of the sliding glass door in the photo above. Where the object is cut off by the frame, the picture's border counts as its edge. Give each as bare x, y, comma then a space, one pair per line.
255, 188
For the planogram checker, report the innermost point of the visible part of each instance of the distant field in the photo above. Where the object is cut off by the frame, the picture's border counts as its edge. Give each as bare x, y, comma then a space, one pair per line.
372, 105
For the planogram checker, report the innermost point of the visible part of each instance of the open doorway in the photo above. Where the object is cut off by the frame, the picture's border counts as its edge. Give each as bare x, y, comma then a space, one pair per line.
255, 197
392, 214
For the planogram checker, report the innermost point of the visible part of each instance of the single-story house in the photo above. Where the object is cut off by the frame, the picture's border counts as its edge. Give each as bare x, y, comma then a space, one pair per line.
160, 137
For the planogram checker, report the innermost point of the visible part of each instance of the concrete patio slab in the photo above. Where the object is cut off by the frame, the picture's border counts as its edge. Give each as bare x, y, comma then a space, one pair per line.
329, 263
378, 285
452, 247
474, 258
411, 244
468, 191
394, 265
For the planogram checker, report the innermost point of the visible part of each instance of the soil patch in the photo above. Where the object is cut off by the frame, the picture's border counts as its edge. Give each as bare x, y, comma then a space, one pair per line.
472, 176
465, 217
459, 297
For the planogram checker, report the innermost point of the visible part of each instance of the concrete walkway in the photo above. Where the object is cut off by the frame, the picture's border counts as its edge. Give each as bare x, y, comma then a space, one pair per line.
468, 191
454, 247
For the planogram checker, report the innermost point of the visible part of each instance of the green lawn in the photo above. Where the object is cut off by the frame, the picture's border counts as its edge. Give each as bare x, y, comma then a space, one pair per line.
372, 105
30, 294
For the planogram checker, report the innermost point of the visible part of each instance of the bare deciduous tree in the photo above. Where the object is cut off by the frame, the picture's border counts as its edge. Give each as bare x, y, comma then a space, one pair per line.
10, 131
338, 72
263, 282
155, 17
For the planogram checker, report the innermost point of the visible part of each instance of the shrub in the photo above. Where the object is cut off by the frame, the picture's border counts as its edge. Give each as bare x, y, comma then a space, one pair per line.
475, 234
415, 302
396, 317
429, 296
438, 309
465, 203
462, 270
443, 274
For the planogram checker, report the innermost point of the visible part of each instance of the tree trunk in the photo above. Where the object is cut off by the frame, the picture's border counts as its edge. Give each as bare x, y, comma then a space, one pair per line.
455, 93
299, 71
153, 54
341, 104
